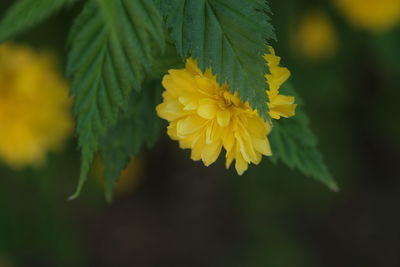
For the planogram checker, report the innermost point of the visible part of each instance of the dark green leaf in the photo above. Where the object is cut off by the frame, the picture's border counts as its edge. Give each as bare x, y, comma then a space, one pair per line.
138, 126
167, 60
27, 13
294, 143
113, 47
230, 36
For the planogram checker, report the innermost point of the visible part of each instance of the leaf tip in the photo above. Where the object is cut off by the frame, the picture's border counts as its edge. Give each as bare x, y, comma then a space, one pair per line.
332, 185
108, 196
76, 194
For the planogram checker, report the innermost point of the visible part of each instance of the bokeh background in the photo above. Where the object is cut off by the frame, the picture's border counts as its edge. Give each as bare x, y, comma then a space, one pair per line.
170, 211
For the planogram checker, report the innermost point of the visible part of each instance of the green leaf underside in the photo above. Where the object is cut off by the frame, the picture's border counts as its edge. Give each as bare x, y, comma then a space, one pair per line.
167, 60
230, 36
294, 143
139, 126
110, 55
26, 14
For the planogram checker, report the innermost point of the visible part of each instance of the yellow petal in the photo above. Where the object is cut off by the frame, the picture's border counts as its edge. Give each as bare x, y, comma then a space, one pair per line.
181, 81
211, 152
229, 158
240, 165
283, 99
228, 139
245, 145
189, 125
281, 75
286, 111
191, 66
198, 147
171, 130
274, 114
207, 111
262, 146
205, 85
213, 132
170, 111
272, 59
258, 158
190, 106
188, 141
257, 127
223, 117
168, 84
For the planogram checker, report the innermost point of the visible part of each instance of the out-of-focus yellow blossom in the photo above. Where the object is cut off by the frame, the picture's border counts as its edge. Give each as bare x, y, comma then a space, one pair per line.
375, 15
129, 178
206, 117
315, 37
34, 106
5, 262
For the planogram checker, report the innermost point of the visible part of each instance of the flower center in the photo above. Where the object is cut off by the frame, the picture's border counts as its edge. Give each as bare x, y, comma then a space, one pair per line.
228, 99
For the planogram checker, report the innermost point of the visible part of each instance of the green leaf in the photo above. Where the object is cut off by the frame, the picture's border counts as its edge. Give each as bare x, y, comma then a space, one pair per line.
113, 47
167, 60
230, 36
138, 126
26, 14
294, 143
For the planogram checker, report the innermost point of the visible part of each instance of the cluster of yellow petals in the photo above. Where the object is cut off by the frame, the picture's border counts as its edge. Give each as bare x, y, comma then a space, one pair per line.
206, 117
375, 15
315, 37
34, 106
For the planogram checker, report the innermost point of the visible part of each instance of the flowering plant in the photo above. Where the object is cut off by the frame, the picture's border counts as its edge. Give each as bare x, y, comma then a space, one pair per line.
231, 94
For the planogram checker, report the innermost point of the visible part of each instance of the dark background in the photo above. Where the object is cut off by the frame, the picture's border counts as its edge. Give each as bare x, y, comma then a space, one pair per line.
180, 213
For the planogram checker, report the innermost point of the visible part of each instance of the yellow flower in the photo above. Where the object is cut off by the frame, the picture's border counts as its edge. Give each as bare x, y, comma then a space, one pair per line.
315, 37
34, 106
375, 15
206, 117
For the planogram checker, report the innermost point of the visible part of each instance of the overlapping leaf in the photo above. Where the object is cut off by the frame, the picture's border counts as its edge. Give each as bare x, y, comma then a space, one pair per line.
27, 13
113, 43
228, 35
137, 127
294, 143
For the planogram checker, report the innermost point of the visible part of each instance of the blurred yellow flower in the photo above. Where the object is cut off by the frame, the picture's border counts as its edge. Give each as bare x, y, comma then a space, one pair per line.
6, 262
206, 117
315, 37
34, 106
375, 15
